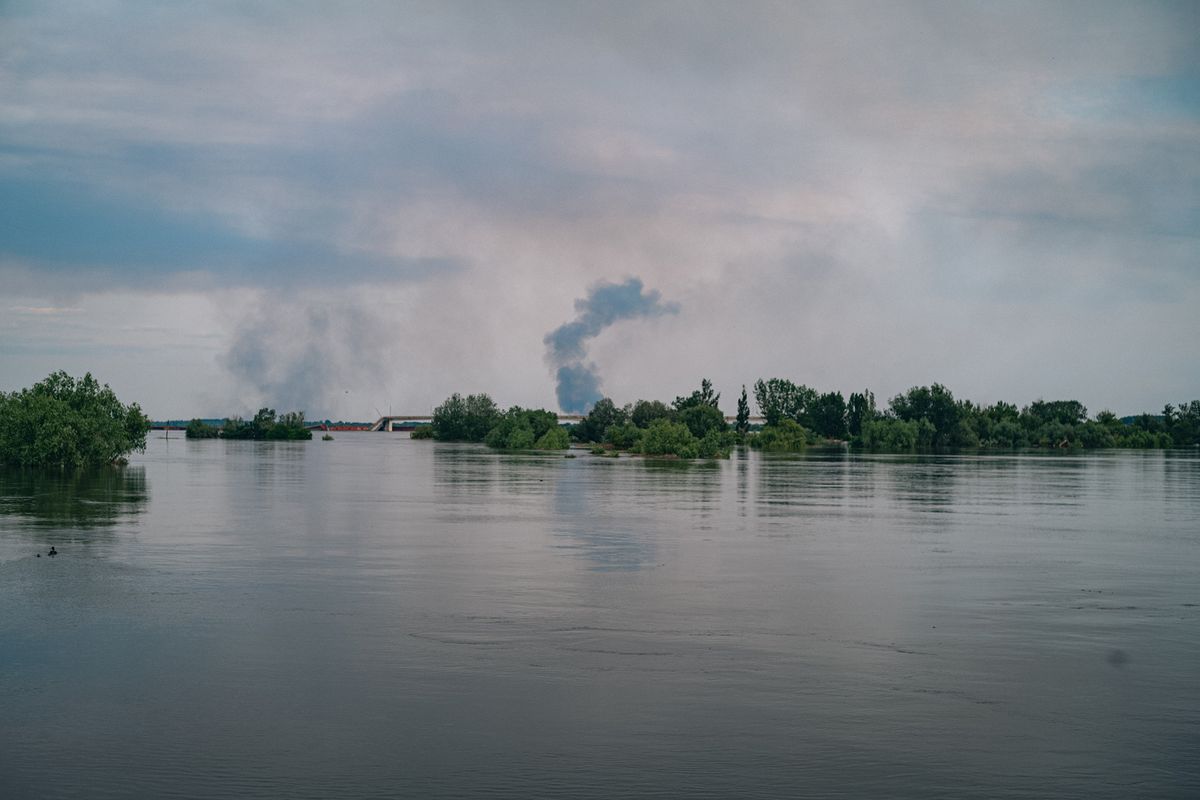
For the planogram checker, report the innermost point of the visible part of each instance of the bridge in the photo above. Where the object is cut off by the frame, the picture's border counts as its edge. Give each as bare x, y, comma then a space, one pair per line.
406, 422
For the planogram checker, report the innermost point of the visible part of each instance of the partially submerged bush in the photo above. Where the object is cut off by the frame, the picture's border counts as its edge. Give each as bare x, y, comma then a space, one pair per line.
626, 436
785, 436
556, 438
527, 429
199, 429
666, 438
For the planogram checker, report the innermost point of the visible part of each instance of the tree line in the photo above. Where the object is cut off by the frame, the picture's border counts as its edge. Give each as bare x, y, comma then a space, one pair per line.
929, 419
924, 419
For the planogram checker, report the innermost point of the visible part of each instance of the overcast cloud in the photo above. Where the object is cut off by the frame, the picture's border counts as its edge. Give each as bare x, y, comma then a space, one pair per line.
350, 207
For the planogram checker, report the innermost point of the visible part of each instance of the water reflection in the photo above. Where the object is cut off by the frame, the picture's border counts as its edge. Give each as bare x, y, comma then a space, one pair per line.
83, 500
791, 485
587, 524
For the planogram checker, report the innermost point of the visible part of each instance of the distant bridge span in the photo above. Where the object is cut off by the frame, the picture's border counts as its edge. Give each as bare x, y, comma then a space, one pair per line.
406, 422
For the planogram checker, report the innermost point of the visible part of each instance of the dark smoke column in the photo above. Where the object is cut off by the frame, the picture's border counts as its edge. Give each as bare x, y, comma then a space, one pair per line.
566, 346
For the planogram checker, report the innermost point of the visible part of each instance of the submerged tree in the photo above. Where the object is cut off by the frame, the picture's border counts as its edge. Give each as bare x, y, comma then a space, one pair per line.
68, 422
464, 419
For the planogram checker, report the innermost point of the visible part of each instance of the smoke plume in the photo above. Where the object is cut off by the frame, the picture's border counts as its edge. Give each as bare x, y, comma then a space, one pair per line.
578, 386
300, 353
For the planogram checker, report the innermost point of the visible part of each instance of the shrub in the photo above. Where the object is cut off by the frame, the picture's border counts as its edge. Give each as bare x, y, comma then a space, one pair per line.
890, 434
199, 429
422, 432
623, 437
554, 439
786, 436
666, 438
524, 429
715, 444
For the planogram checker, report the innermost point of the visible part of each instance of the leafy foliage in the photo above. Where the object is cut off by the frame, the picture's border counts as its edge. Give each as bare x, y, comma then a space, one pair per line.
556, 438
786, 436
625, 436
701, 419
780, 399
643, 412
742, 423
422, 432
602, 416
527, 429
464, 419
199, 429
703, 396
860, 408
68, 422
266, 425
828, 415
666, 438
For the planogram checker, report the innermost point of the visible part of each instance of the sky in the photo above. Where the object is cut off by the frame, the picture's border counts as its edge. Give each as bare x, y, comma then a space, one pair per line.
357, 208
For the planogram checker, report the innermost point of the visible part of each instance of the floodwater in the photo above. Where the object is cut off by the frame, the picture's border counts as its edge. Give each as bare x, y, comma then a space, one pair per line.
379, 617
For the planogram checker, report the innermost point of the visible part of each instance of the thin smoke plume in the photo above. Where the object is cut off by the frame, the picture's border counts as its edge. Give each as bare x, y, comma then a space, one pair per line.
578, 386
300, 354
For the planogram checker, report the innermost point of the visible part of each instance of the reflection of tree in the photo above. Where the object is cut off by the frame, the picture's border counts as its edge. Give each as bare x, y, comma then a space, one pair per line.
463, 469
73, 499
791, 484
924, 482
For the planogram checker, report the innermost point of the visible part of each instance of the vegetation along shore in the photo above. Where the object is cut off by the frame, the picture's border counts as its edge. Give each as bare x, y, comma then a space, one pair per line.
67, 422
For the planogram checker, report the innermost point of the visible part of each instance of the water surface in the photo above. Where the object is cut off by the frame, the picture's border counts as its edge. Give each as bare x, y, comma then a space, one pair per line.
378, 617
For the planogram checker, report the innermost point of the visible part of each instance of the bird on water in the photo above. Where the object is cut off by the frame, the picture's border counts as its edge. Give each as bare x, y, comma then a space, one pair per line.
52, 552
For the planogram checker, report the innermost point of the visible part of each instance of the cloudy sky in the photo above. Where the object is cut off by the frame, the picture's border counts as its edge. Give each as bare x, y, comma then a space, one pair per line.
351, 208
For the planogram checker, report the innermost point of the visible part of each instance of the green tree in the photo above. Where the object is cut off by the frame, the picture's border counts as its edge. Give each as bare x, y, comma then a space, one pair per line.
67, 422
643, 412
602, 416
860, 408
780, 399
702, 418
703, 396
742, 424
829, 415
464, 419
935, 404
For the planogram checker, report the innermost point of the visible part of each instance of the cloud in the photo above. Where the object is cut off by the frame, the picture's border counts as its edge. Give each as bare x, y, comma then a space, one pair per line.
816, 184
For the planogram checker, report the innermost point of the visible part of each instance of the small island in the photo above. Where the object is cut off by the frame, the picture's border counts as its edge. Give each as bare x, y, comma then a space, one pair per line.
265, 426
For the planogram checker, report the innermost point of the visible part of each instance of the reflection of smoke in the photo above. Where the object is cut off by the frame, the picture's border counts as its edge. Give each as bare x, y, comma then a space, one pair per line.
298, 355
566, 346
